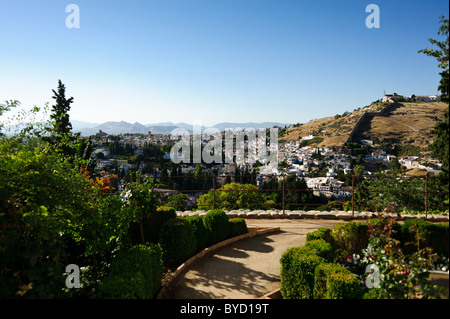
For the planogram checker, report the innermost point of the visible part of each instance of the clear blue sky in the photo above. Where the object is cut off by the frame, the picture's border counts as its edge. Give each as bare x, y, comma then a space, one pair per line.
216, 60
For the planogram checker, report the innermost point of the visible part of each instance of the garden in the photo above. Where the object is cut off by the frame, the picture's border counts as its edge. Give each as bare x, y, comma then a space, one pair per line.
376, 259
57, 213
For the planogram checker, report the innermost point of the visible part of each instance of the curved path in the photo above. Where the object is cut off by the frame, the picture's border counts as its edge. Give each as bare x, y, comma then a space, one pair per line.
246, 269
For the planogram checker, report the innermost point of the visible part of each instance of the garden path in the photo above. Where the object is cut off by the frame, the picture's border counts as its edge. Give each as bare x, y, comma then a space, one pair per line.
246, 269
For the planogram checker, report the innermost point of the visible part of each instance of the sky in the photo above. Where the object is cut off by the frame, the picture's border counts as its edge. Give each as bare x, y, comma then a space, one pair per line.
212, 61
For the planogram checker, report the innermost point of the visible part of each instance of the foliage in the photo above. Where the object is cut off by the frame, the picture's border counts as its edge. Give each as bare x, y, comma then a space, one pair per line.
134, 274
216, 222
177, 240
321, 248
324, 233
238, 226
297, 274
200, 231
440, 146
342, 285
46, 205
396, 194
401, 276
178, 201
233, 195
416, 234
350, 237
321, 274
142, 203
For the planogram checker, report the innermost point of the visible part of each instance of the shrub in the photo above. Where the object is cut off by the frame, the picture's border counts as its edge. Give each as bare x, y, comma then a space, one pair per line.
134, 274
177, 240
238, 226
342, 285
416, 234
152, 224
297, 274
321, 275
216, 222
351, 237
324, 233
321, 248
200, 231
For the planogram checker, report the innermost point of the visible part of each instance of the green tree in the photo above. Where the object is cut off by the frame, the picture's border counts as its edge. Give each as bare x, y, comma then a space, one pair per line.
440, 145
60, 111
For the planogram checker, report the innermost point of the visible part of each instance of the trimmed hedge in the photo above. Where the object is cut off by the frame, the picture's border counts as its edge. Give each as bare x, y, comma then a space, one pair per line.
321, 248
238, 226
216, 222
323, 271
342, 285
324, 233
134, 274
200, 231
152, 225
422, 233
177, 240
351, 237
297, 274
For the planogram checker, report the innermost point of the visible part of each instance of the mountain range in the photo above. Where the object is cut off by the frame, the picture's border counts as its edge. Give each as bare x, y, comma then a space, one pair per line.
122, 127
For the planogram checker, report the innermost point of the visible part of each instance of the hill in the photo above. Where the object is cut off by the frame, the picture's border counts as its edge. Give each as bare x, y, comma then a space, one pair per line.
402, 124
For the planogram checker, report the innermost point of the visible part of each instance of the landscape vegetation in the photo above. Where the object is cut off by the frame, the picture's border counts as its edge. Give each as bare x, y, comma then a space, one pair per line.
57, 208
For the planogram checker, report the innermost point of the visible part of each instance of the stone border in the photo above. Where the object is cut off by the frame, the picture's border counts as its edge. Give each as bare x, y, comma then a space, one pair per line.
252, 231
300, 214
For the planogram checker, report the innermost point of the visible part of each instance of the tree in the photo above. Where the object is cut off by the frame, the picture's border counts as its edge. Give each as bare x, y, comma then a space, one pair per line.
60, 111
358, 170
440, 145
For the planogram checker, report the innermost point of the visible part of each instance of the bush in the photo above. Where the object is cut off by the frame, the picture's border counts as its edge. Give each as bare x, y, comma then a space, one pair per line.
238, 226
321, 248
351, 237
416, 234
322, 233
216, 222
200, 231
321, 276
342, 285
152, 224
134, 274
297, 274
177, 240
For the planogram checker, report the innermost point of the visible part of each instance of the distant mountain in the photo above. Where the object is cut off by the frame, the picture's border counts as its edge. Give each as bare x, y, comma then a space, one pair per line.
87, 129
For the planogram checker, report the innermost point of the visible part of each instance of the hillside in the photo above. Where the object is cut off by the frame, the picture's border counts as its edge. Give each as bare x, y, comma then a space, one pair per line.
401, 123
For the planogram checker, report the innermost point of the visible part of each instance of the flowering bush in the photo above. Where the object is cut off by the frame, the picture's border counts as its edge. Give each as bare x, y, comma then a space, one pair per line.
396, 275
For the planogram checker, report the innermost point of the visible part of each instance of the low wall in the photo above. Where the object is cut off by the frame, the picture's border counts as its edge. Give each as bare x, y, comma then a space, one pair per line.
300, 214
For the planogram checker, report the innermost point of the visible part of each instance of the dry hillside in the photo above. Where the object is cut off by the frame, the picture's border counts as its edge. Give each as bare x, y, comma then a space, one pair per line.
405, 123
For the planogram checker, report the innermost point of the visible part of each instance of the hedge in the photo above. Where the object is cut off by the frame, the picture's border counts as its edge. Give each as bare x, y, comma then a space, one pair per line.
351, 237
177, 240
342, 285
216, 222
321, 248
238, 226
322, 272
134, 274
421, 233
297, 274
200, 231
152, 225
324, 233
